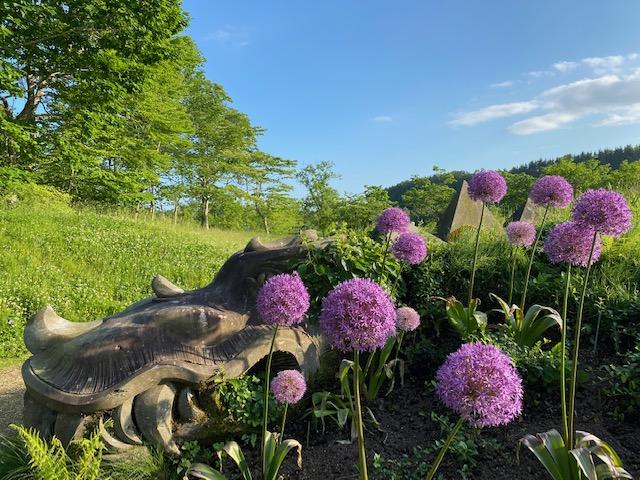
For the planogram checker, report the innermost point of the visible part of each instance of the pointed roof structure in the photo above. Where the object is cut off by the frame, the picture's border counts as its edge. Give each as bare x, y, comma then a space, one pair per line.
530, 212
462, 211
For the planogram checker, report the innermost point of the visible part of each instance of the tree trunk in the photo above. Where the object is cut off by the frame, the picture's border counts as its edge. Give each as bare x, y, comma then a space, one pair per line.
175, 213
205, 213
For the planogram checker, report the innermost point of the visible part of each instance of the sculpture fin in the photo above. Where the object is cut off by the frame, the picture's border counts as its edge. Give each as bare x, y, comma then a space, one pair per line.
46, 328
163, 288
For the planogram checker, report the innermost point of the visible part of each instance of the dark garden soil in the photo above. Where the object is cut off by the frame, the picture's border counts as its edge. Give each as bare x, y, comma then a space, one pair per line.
405, 420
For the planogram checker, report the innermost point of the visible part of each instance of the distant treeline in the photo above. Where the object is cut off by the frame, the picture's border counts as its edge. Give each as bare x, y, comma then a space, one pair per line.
426, 197
613, 157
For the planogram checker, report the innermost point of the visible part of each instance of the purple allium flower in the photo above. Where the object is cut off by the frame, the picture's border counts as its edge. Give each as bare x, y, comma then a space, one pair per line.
487, 186
288, 386
283, 300
393, 220
551, 190
358, 315
570, 242
521, 234
409, 247
480, 383
407, 319
603, 210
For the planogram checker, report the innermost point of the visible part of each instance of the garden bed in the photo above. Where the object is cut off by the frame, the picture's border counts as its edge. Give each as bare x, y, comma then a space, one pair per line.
405, 421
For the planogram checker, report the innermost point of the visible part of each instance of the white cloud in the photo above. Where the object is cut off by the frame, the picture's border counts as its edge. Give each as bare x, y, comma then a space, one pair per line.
624, 116
231, 36
614, 97
505, 84
565, 66
382, 118
541, 123
491, 113
602, 65
540, 74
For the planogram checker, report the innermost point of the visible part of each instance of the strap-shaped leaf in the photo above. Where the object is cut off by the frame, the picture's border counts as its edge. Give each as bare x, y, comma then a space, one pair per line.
585, 462
554, 443
537, 446
235, 452
204, 472
270, 444
273, 467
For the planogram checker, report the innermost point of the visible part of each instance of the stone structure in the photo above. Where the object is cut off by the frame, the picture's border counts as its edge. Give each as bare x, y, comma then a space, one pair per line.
146, 367
464, 212
530, 213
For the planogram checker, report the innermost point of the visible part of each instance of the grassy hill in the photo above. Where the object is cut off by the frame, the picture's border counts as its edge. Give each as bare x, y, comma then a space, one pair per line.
88, 265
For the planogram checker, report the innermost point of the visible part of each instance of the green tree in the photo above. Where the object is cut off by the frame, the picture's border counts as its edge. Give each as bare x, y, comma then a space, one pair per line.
360, 212
263, 183
220, 144
427, 200
82, 52
518, 186
583, 175
322, 204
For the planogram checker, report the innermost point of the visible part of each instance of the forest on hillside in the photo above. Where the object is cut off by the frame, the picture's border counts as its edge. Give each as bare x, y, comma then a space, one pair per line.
109, 104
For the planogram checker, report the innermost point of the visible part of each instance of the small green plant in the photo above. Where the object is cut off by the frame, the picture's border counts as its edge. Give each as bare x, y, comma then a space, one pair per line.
579, 462
466, 449
50, 461
624, 383
275, 452
240, 401
466, 321
528, 328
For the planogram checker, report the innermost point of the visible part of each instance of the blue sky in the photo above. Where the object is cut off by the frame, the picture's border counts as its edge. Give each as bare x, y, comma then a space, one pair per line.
386, 90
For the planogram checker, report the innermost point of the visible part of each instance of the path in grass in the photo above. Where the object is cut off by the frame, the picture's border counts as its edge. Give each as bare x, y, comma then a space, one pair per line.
11, 392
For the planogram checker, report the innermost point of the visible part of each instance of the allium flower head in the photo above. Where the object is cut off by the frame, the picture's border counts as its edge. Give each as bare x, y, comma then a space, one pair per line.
603, 210
288, 386
551, 190
283, 300
409, 247
407, 319
358, 315
521, 234
393, 220
487, 186
480, 383
570, 242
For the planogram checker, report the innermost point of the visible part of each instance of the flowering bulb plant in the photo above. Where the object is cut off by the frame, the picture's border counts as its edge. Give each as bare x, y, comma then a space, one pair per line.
358, 315
481, 384
485, 186
520, 235
282, 301
550, 191
570, 455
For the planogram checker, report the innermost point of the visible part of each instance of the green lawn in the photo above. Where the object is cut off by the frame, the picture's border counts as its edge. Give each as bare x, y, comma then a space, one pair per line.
88, 265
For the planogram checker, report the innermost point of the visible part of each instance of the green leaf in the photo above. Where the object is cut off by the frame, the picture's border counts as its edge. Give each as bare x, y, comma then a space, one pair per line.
537, 445
205, 472
235, 452
273, 467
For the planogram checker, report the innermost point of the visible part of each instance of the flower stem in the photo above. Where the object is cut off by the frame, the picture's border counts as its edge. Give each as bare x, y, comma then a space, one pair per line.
362, 456
284, 421
383, 274
513, 272
563, 354
265, 407
576, 347
475, 255
531, 257
444, 449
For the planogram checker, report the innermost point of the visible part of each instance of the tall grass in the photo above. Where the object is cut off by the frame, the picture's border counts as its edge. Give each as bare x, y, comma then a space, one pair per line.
88, 265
